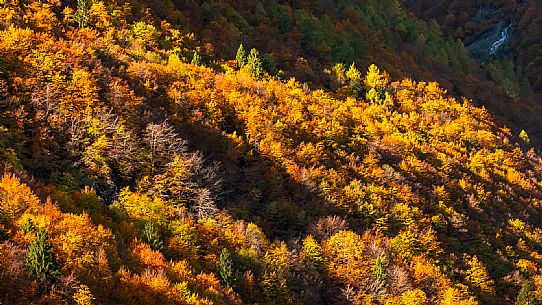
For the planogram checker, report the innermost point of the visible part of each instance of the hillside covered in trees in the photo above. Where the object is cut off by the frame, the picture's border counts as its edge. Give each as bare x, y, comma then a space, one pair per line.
230, 152
516, 67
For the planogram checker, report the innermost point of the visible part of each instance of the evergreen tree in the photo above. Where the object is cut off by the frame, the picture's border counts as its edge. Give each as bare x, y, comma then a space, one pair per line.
3, 234
241, 57
41, 260
255, 63
196, 60
152, 236
82, 16
269, 63
28, 226
225, 268
379, 270
526, 296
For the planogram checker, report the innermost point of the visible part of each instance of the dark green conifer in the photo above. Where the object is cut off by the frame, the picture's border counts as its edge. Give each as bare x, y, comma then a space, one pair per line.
225, 268
196, 60
28, 226
526, 296
40, 261
379, 270
152, 236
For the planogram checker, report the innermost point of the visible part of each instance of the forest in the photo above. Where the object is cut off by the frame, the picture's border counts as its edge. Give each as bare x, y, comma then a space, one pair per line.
267, 152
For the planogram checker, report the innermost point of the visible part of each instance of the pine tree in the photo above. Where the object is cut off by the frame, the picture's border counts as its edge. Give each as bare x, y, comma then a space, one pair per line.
28, 226
82, 16
41, 260
196, 60
255, 63
225, 268
526, 296
241, 57
152, 236
379, 270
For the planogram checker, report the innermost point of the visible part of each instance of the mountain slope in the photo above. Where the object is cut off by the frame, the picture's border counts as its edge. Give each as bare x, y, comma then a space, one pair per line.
140, 167
515, 66
302, 39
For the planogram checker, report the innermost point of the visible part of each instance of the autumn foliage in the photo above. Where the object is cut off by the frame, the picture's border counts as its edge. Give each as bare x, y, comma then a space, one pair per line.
140, 167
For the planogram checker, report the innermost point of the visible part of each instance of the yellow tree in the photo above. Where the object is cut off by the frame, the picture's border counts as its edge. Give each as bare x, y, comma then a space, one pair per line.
478, 277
